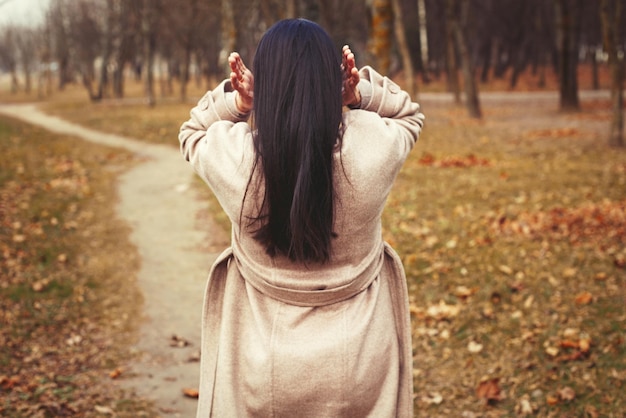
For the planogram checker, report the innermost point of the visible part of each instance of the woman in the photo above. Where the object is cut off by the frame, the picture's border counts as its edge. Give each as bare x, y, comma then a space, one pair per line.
306, 315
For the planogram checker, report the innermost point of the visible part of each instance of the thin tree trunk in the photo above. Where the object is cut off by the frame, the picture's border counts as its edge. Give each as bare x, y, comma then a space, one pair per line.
423, 41
15, 83
407, 62
610, 12
103, 80
451, 62
380, 41
147, 25
595, 78
459, 28
229, 33
567, 45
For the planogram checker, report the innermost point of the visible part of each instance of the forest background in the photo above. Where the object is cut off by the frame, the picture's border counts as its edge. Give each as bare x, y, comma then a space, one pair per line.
510, 219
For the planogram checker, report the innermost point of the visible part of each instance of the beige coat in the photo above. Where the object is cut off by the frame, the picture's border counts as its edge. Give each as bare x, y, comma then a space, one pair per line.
281, 339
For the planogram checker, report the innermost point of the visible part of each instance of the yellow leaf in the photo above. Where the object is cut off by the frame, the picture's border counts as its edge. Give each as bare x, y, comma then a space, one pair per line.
506, 269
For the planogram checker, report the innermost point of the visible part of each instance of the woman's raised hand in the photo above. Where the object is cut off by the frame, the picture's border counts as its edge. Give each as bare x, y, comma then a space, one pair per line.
242, 81
350, 94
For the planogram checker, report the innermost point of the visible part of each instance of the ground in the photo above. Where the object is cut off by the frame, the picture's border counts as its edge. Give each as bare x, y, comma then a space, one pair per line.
156, 200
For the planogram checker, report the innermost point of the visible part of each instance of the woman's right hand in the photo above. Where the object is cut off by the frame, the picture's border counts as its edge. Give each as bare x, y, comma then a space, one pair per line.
242, 80
350, 94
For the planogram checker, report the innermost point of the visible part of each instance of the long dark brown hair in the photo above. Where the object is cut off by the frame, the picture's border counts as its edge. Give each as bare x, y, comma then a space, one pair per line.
297, 118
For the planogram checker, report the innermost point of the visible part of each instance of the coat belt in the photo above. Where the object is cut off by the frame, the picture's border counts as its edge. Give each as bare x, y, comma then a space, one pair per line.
311, 298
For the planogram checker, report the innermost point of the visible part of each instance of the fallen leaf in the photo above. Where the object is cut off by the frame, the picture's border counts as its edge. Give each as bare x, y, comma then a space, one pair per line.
474, 347
489, 390
178, 341
116, 373
191, 393
434, 398
525, 407
464, 292
506, 270
443, 311
74, 340
19, 238
8, 383
570, 272
584, 298
38, 286
566, 393
104, 410
569, 344
584, 344
552, 351
591, 411
552, 400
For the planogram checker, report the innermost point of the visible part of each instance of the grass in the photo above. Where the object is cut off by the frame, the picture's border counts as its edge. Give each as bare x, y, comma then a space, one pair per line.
511, 230
68, 301
518, 295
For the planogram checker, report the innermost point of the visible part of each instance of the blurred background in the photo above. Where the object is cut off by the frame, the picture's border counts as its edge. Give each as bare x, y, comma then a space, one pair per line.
440, 45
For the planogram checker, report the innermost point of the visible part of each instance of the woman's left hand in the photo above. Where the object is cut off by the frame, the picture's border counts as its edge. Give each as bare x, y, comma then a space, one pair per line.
242, 80
350, 94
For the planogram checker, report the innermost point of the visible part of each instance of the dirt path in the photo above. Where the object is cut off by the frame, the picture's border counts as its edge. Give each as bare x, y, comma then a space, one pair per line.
158, 202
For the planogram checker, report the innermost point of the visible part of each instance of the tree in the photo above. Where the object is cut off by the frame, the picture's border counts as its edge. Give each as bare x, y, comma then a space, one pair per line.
403, 46
458, 19
149, 15
451, 53
380, 38
610, 12
567, 13
9, 55
58, 27
229, 32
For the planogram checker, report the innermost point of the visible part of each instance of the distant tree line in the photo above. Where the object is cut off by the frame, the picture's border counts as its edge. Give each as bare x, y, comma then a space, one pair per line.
96, 42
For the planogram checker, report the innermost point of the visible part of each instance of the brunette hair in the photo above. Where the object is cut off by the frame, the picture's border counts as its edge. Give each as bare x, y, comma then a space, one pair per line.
297, 118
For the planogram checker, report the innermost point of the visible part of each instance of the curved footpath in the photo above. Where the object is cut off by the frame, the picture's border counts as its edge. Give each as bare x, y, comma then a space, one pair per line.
158, 202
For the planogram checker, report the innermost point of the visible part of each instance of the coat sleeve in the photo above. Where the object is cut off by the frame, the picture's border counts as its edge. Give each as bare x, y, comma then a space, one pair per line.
381, 95
215, 141
381, 132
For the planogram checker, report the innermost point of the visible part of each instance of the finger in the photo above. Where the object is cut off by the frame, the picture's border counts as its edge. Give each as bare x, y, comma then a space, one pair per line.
236, 65
234, 81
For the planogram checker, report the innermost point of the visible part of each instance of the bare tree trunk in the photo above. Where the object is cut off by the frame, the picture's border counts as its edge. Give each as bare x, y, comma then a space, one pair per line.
421, 12
610, 13
103, 79
567, 45
15, 82
595, 77
459, 12
451, 63
229, 33
380, 41
149, 43
407, 62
